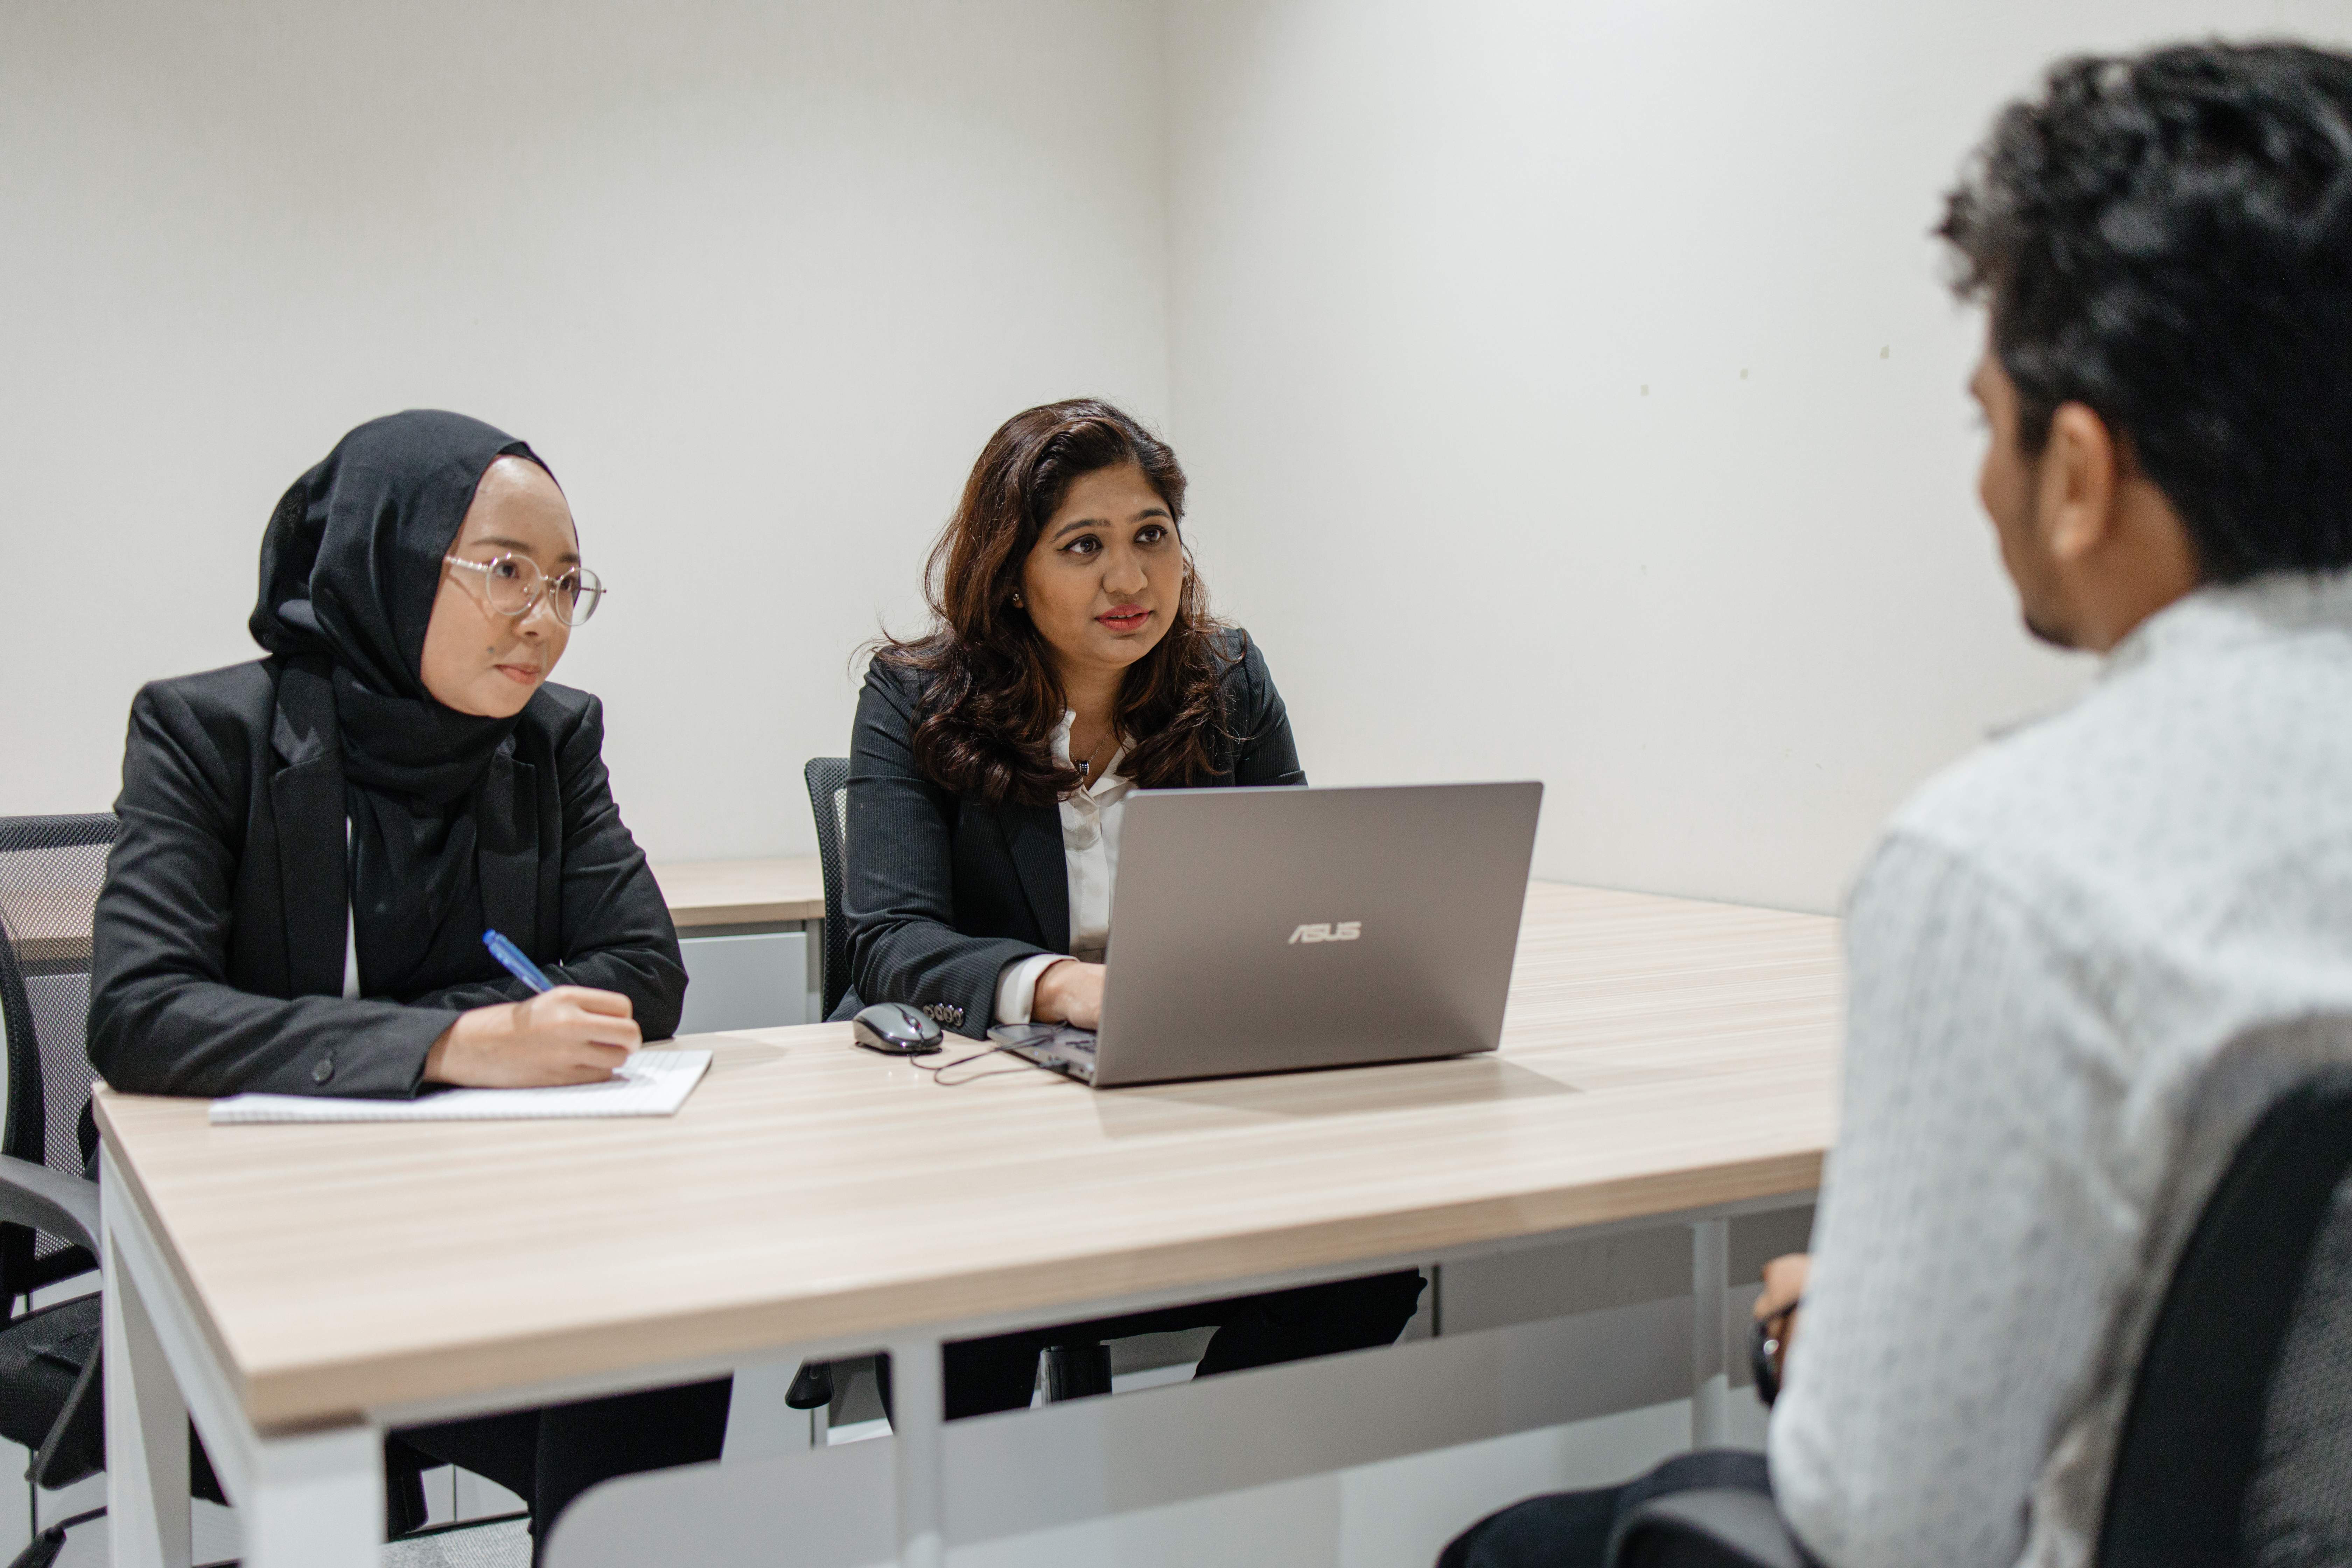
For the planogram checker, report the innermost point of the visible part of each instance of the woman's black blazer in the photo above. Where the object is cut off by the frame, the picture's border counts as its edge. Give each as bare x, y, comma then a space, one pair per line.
941, 890
217, 961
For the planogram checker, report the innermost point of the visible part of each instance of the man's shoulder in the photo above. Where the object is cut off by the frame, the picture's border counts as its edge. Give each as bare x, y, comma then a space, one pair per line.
2068, 809
2191, 780
2007, 789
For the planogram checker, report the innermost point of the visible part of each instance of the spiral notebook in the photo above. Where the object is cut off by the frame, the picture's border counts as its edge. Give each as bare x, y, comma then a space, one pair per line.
652, 1083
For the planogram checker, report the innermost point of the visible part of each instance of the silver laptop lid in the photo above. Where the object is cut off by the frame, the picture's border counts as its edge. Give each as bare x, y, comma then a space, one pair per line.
1264, 930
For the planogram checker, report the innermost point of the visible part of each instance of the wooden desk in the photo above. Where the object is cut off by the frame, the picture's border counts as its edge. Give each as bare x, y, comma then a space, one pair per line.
306, 1286
703, 896
786, 890
732, 918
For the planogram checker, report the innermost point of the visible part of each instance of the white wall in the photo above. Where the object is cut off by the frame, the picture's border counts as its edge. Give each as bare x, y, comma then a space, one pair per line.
1428, 259
758, 280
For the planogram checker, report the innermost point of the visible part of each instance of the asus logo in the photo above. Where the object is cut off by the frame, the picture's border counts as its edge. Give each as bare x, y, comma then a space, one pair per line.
1346, 930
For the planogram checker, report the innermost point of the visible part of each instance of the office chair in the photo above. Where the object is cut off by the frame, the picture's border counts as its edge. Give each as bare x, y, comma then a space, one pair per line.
52, 1381
51, 1384
828, 789
1072, 1370
50, 1392
2237, 1444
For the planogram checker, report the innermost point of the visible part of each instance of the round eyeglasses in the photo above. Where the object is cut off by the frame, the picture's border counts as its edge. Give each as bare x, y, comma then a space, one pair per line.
514, 584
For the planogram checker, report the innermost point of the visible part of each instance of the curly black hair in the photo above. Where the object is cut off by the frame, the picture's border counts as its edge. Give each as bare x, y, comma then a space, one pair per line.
991, 698
2166, 238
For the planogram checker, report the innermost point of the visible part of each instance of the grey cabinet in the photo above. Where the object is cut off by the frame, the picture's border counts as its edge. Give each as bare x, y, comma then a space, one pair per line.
755, 980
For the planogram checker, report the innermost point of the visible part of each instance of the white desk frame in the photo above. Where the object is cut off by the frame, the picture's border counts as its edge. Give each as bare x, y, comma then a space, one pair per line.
314, 1499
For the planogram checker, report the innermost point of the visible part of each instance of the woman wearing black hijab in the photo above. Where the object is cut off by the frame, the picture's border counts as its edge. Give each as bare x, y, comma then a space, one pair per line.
398, 756
312, 845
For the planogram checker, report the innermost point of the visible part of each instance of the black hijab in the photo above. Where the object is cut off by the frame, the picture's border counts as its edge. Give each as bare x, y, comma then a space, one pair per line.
351, 566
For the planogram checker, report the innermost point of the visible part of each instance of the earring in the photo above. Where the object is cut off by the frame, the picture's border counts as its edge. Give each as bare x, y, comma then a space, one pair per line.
1016, 598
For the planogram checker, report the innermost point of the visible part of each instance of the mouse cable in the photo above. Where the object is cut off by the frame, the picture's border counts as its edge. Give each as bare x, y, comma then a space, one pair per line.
939, 1073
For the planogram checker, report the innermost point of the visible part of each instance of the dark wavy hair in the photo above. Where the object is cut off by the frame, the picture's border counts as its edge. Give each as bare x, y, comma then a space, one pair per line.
2166, 238
984, 724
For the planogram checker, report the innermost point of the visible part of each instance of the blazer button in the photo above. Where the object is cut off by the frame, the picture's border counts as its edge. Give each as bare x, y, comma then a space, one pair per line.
324, 1070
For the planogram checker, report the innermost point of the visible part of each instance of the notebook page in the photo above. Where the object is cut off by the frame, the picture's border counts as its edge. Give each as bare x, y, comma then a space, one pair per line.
652, 1083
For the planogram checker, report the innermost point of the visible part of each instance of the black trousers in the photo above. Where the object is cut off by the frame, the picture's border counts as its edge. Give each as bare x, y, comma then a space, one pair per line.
1570, 1530
549, 1455
1001, 1372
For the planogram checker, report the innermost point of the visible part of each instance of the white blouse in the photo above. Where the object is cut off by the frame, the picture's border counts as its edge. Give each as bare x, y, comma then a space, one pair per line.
1090, 818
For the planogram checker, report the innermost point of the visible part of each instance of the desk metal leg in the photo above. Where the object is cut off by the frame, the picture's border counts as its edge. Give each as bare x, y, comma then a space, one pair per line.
918, 1403
311, 1499
813, 948
146, 1432
1710, 1328
316, 1500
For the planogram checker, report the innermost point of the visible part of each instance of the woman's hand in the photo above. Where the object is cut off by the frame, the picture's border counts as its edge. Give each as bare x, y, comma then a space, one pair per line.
1784, 1285
1069, 993
570, 1035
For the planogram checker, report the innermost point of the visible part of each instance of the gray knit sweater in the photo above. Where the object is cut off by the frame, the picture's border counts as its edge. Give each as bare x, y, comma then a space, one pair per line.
2080, 960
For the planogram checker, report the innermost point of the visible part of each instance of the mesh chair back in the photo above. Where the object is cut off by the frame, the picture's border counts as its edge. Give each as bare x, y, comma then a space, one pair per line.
51, 869
2237, 1447
828, 788
2299, 1510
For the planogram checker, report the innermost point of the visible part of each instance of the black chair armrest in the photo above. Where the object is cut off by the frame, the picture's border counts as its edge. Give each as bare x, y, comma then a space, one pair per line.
811, 1385
65, 1206
76, 1445
1723, 1527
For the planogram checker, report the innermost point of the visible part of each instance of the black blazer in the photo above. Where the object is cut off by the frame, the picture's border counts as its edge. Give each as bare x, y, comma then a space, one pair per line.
942, 890
217, 961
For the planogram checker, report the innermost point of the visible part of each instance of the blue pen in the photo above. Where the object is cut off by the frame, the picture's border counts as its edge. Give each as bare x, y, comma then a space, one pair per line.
522, 968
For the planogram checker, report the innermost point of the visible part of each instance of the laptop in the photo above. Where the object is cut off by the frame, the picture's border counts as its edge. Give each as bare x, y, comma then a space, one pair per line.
1258, 931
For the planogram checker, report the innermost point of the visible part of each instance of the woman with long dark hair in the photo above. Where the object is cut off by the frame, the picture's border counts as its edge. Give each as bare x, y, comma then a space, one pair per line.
312, 845
1072, 660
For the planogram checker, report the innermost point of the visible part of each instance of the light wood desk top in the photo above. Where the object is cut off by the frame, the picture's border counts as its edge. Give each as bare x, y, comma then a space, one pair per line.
700, 893
742, 892
1659, 1054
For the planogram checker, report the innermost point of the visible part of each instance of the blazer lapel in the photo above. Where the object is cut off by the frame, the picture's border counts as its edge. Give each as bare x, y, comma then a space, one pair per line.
306, 803
505, 852
1034, 833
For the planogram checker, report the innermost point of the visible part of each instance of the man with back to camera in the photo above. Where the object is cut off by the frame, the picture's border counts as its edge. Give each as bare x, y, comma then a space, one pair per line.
2057, 937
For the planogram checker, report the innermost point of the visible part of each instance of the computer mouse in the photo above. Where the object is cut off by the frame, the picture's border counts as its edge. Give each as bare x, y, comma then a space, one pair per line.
895, 1030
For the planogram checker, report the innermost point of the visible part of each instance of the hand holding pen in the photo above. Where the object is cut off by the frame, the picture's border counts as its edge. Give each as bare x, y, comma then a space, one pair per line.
563, 1034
